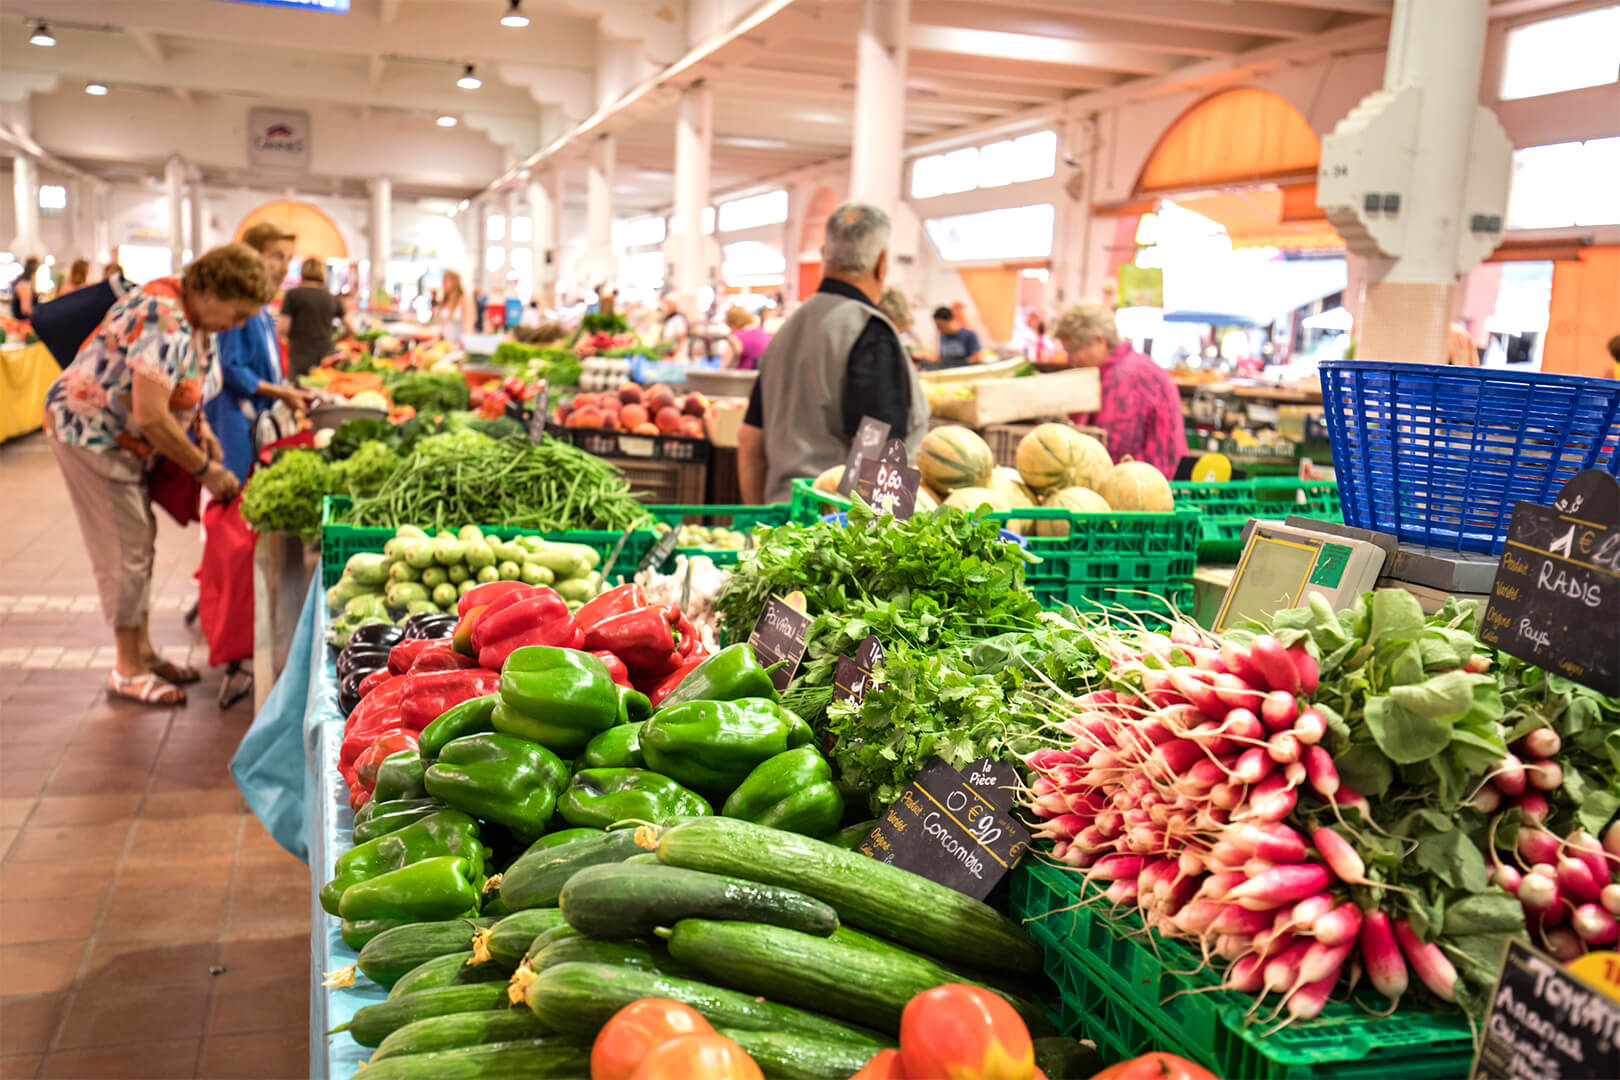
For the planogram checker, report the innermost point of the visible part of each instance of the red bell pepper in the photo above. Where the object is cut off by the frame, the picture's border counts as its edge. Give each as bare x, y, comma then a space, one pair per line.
645, 639
616, 601
366, 765
616, 668
667, 685
403, 655
442, 657
372, 681
383, 697
689, 640
538, 616
479, 595
428, 693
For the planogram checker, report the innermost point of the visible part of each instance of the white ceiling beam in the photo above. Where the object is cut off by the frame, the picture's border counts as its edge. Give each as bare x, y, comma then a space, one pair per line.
986, 90
1029, 48
1373, 8
1264, 19
1013, 18
375, 67
149, 44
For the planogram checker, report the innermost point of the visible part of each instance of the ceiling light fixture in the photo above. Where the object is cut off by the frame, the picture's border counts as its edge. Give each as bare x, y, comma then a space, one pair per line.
95, 89
469, 79
447, 121
42, 36
515, 17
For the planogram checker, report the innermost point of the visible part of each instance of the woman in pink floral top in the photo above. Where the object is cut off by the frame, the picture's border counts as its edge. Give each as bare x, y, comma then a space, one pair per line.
1141, 407
133, 393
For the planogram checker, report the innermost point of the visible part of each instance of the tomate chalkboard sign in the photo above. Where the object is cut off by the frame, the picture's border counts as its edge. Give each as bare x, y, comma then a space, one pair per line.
1556, 598
778, 638
1547, 1024
866, 446
946, 829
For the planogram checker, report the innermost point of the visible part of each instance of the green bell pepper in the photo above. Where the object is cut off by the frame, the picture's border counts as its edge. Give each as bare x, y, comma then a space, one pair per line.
560, 698
381, 818
598, 798
560, 837
468, 718
499, 778
444, 833
442, 887
792, 791
712, 745
357, 932
400, 777
731, 674
619, 747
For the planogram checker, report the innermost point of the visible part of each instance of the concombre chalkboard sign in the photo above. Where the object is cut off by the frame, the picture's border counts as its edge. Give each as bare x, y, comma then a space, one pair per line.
1547, 1024
778, 639
866, 446
1556, 598
945, 828
889, 489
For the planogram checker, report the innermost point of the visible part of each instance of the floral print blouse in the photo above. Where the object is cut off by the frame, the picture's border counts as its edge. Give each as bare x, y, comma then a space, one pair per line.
1141, 410
91, 404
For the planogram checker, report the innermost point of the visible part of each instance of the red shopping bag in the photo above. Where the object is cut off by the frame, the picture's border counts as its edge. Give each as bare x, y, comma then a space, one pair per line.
225, 584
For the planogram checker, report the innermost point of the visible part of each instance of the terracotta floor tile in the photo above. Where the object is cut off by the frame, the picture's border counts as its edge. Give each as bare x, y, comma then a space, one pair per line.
56, 919
177, 916
27, 1023
32, 881
265, 908
89, 778
41, 755
184, 804
7, 838
14, 812
106, 1014
153, 963
22, 781
275, 1055
71, 843
165, 873
84, 809
266, 958
154, 1061
42, 968
257, 842
20, 1066
265, 1005
200, 835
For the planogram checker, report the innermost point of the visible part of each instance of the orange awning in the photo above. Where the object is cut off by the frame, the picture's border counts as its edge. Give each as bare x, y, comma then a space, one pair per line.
1233, 137
1265, 217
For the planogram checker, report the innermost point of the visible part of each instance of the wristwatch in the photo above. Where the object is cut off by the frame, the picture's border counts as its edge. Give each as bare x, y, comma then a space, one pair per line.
198, 473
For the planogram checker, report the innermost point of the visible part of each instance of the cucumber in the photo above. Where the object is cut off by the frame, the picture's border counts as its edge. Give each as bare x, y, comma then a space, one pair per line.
537, 877
795, 1057
374, 1023
460, 1029
523, 1059
357, 933
507, 941
451, 969
619, 901
646, 955
392, 953
562, 836
560, 932
849, 974
868, 894
580, 998
850, 836
646, 858
1066, 1059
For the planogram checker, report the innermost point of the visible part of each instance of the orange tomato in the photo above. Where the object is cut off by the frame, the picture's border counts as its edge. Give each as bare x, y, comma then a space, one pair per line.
697, 1057
885, 1065
960, 1032
638, 1028
1156, 1066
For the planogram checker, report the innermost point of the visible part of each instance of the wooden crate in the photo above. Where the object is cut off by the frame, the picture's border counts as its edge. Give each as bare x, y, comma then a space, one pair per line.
1003, 439
1001, 401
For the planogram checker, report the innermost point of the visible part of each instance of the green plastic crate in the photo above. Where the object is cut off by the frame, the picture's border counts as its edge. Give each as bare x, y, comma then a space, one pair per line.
1132, 997
339, 541
742, 518
1279, 496
1226, 507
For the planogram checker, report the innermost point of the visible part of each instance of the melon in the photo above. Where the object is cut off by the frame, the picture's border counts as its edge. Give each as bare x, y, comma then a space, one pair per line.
828, 481
953, 457
1137, 486
971, 498
1078, 499
926, 501
1005, 481
1057, 456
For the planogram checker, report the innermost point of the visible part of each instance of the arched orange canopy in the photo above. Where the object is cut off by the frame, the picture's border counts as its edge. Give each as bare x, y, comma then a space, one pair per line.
317, 235
1237, 136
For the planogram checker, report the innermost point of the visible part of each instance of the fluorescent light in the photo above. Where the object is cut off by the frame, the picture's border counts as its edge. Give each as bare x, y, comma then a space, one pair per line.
748, 142
469, 79
515, 17
446, 121
41, 36
463, 204
95, 89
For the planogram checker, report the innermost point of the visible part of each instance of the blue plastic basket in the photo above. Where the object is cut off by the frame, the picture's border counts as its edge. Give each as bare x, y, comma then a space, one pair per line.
1440, 455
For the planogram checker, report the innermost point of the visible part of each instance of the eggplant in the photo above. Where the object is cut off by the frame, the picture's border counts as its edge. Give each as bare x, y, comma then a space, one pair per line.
385, 634
361, 658
428, 625
349, 688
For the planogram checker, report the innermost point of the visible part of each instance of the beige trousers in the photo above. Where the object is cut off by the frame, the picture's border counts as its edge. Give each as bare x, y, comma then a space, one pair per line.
114, 508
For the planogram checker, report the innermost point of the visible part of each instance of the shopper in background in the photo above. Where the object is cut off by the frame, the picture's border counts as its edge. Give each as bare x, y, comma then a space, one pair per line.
113, 270
1031, 340
307, 314
835, 360
133, 394
453, 310
958, 345
250, 361
1141, 408
674, 325
22, 289
78, 276
748, 338
894, 304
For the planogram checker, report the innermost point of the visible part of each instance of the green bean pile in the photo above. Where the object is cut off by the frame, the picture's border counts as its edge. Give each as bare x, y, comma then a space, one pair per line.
469, 479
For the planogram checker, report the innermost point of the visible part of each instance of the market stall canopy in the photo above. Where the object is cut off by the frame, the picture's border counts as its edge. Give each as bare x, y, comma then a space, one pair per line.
317, 235
1283, 217
1245, 290
1238, 136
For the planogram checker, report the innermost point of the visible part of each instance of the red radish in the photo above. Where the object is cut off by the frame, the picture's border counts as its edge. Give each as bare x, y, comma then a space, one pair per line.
1486, 800
1611, 839
1322, 960
1276, 668
1339, 926
1239, 662
1539, 895
1253, 765
1310, 727
1273, 798
1507, 877
1121, 892
1234, 692
1247, 974
1205, 774
1348, 796
1232, 946
1587, 848
1242, 724
1305, 665
1564, 943
1257, 866
1537, 846
1595, 926
1341, 858
1533, 805
1220, 883
1196, 918
1544, 775
1199, 692
1307, 1002
1175, 757
1575, 881
1279, 886
1546, 870
1184, 634
1509, 776
1278, 843
1386, 969
1234, 919
1116, 868
1282, 970
1319, 770
1542, 743
1429, 962
1283, 748
1279, 710
1610, 899
1477, 664
1226, 796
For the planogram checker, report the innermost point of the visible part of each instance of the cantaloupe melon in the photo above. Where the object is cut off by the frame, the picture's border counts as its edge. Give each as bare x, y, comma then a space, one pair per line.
828, 481
1057, 456
926, 501
971, 498
1006, 482
1079, 499
953, 457
1137, 486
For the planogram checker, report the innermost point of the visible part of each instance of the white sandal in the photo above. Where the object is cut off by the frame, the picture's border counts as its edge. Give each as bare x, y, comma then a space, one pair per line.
147, 689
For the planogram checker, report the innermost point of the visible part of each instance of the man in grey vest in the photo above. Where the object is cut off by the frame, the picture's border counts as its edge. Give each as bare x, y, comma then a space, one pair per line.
835, 360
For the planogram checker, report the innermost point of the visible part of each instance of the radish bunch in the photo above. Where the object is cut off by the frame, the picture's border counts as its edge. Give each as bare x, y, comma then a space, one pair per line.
1569, 886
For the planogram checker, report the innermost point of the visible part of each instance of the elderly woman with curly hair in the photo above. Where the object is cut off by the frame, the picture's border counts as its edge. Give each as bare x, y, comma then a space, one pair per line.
134, 393
1141, 407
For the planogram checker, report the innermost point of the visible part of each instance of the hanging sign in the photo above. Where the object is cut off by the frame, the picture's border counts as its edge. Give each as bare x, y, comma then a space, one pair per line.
1556, 598
867, 444
889, 489
278, 139
1546, 1023
778, 639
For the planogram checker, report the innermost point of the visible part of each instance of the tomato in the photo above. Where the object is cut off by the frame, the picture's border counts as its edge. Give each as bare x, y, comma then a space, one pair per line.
1156, 1066
959, 1032
638, 1028
885, 1065
697, 1057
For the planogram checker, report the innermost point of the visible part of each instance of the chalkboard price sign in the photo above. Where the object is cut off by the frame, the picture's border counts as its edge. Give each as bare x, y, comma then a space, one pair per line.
851, 677
660, 551
779, 636
945, 828
537, 419
890, 489
996, 780
894, 453
866, 446
1547, 1024
1556, 598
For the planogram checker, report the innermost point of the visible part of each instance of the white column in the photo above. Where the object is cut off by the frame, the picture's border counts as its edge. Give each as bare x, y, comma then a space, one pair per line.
599, 257
380, 236
694, 129
101, 243
880, 101
543, 214
197, 231
480, 209
507, 283
25, 197
174, 179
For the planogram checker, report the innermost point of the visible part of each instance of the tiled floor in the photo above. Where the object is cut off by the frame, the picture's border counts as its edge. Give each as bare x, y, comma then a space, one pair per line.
149, 927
